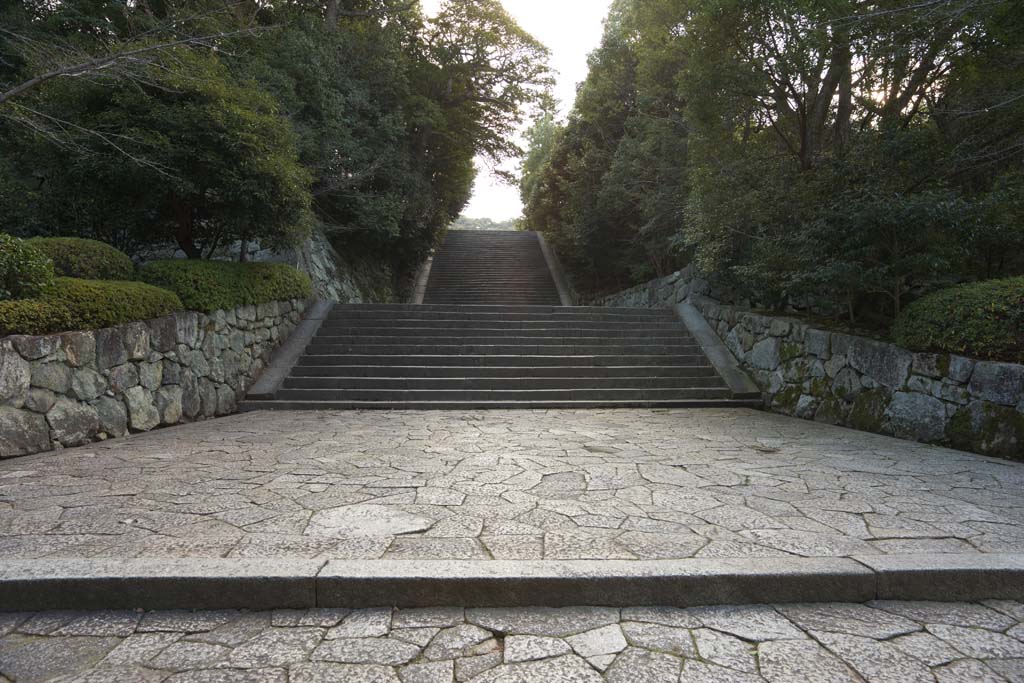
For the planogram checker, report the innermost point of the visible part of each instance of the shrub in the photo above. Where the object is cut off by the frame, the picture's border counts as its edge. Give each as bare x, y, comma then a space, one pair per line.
25, 271
86, 259
982, 319
216, 285
86, 305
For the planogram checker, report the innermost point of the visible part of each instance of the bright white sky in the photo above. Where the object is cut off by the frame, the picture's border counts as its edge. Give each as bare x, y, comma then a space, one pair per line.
571, 29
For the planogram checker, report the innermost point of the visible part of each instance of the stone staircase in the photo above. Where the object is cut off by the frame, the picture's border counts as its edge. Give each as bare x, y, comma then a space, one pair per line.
492, 267
461, 349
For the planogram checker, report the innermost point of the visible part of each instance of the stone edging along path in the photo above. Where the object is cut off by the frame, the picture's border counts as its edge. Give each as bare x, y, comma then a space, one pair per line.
28, 585
853, 381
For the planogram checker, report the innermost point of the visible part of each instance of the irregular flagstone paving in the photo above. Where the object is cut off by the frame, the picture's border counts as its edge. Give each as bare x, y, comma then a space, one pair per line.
881, 642
548, 484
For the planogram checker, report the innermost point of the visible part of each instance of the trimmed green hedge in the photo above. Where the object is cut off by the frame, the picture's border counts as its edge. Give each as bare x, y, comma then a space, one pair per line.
86, 305
982, 319
216, 285
25, 271
86, 259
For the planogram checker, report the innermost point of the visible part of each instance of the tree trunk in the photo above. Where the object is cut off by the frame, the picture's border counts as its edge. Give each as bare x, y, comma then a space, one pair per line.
184, 235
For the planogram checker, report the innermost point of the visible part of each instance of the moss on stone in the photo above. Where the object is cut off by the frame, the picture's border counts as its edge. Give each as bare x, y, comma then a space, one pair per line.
819, 387
790, 351
786, 399
830, 411
988, 428
868, 412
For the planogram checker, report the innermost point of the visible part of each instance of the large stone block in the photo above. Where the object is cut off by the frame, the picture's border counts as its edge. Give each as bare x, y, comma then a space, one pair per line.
87, 384
168, 402
191, 399
869, 411
225, 399
40, 400
36, 347
817, 343
53, 376
208, 397
110, 350
847, 384
142, 410
960, 369
987, 428
163, 333
187, 328
79, 348
112, 415
930, 364
15, 375
151, 375
917, 416
136, 340
766, 354
72, 423
123, 377
1001, 383
22, 432
888, 365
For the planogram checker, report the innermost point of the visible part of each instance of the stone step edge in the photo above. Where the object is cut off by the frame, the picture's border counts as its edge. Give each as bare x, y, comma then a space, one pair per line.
196, 583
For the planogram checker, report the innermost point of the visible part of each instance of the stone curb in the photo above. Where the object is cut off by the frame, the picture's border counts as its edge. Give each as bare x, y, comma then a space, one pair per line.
718, 353
419, 289
288, 353
564, 294
27, 585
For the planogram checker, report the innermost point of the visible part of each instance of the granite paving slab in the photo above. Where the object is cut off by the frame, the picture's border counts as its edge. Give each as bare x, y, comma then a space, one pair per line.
877, 642
639, 484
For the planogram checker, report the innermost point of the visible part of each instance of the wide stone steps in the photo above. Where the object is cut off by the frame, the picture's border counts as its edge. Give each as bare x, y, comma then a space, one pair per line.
531, 349
498, 361
489, 331
499, 267
551, 395
247, 406
478, 371
497, 383
491, 334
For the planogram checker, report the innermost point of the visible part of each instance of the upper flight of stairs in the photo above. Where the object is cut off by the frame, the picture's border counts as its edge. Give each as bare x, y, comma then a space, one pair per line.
491, 334
491, 267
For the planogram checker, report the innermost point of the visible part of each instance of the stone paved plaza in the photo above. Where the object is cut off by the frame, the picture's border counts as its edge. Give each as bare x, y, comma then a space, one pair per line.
883, 642
557, 484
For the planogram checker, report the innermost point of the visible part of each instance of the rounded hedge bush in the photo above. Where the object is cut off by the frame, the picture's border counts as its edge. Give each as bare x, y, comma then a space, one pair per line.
86, 305
981, 319
209, 286
25, 271
86, 259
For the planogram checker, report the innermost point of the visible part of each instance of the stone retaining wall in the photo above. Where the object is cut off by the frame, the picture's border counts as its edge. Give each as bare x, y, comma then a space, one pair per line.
856, 382
72, 388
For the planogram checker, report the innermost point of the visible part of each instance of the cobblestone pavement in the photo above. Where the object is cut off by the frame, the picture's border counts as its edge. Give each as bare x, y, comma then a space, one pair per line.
882, 642
556, 484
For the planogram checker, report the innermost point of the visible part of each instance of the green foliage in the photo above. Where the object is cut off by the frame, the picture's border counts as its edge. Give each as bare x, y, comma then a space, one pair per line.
465, 223
218, 285
813, 155
86, 305
362, 116
982, 320
85, 258
605, 187
25, 271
